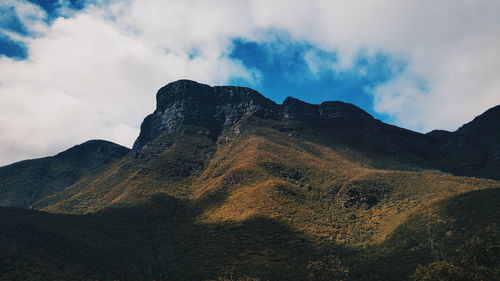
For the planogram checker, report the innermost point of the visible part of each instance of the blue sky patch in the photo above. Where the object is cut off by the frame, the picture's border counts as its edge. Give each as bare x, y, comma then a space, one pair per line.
11, 22
12, 49
51, 6
285, 71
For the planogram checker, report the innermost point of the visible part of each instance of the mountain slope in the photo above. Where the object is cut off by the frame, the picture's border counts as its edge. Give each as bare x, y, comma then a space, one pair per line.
24, 183
222, 180
474, 149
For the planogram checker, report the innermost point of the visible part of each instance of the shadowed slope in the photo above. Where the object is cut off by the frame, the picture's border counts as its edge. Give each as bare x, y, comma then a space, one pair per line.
23, 183
474, 149
155, 241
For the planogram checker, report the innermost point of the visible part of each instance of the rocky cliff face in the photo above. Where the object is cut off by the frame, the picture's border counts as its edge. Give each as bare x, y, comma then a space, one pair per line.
210, 109
213, 109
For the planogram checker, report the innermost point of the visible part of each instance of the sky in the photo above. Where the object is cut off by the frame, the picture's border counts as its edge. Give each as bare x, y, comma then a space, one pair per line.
76, 70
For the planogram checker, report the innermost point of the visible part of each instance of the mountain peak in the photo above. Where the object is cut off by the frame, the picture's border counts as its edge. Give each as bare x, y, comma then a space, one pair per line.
486, 123
94, 150
180, 91
212, 109
188, 103
45, 176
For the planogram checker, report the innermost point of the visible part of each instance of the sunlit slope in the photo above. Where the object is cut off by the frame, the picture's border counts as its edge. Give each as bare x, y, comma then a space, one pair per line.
316, 189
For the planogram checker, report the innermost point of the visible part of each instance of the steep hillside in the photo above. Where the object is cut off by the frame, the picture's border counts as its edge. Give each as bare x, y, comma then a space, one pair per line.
24, 183
223, 181
474, 149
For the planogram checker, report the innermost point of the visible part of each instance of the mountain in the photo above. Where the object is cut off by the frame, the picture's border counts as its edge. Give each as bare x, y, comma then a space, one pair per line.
223, 181
474, 149
25, 182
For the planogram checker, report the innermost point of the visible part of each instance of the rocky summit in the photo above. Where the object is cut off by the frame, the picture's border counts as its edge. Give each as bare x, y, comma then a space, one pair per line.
225, 184
215, 109
212, 109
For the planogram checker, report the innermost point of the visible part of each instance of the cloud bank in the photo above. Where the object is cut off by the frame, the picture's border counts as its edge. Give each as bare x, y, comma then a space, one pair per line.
92, 73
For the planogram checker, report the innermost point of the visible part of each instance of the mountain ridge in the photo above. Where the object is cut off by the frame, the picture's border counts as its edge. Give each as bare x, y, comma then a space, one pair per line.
25, 182
225, 105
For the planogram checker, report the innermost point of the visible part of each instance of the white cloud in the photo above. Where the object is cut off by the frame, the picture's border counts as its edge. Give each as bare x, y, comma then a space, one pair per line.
90, 77
93, 75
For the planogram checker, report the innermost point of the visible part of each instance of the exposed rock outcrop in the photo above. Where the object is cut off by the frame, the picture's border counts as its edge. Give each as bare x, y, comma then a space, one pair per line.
213, 109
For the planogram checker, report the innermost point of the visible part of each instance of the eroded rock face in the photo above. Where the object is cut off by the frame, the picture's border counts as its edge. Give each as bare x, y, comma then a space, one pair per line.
214, 109
211, 109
